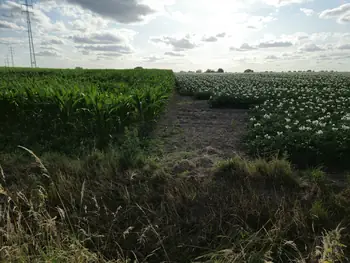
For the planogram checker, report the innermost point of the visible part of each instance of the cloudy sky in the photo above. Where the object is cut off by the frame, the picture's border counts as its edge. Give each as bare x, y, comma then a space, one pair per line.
181, 34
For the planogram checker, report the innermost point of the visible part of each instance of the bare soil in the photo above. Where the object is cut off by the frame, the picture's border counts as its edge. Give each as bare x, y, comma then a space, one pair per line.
190, 125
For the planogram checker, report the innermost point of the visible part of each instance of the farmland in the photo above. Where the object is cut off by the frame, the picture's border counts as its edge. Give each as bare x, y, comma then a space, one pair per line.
115, 166
65, 110
305, 116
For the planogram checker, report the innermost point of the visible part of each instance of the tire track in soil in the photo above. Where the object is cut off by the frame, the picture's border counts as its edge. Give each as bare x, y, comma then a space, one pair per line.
190, 125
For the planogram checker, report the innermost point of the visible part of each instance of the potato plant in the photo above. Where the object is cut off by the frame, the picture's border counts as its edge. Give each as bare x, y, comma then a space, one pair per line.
303, 115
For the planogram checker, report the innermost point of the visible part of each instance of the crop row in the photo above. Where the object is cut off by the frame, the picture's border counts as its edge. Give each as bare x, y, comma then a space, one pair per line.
70, 109
305, 116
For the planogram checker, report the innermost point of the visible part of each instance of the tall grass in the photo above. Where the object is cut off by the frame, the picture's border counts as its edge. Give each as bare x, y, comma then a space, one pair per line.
57, 209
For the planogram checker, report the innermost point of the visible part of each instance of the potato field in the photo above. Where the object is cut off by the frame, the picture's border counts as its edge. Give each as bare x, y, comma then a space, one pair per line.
67, 109
305, 116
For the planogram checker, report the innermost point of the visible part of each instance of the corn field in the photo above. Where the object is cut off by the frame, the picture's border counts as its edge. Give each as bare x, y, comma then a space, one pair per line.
67, 109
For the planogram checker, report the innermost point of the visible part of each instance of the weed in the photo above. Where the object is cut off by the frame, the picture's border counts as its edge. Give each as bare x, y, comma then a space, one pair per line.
89, 210
317, 175
130, 153
233, 124
331, 249
235, 167
318, 211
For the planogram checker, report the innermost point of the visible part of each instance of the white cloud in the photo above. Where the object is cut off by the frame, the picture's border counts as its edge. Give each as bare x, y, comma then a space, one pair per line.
177, 43
210, 39
271, 57
152, 58
274, 44
9, 25
279, 3
243, 47
345, 18
123, 11
223, 34
52, 40
121, 49
263, 45
41, 22
98, 38
310, 47
344, 47
307, 11
47, 53
11, 40
174, 54
87, 23
341, 13
109, 54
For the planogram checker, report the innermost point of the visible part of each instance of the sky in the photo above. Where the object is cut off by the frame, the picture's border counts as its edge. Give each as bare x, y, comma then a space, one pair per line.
278, 35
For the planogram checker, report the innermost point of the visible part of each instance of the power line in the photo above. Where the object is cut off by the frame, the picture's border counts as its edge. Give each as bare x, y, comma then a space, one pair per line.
7, 62
30, 34
11, 54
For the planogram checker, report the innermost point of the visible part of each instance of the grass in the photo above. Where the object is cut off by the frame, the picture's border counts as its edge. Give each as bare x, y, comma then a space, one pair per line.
106, 208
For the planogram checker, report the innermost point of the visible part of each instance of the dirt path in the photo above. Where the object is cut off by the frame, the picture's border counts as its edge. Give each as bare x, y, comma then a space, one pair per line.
190, 125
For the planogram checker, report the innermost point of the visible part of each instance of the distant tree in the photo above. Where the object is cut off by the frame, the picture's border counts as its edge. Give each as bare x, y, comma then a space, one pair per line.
248, 71
139, 68
210, 71
309, 70
78, 68
199, 71
190, 71
220, 70
182, 71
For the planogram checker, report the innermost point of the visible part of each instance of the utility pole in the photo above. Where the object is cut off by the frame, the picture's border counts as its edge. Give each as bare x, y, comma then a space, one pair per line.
7, 63
11, 54
30, 34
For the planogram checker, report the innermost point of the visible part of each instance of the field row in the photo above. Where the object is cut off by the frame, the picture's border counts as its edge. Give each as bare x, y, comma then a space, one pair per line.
67, 109
305, 116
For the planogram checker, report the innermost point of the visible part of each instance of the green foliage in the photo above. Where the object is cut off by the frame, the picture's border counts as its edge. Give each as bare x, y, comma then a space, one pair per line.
233, 124
318, 211
317, 176
65, 110
235, 167
331, 249
130, 152
204, 95
304, 115
275, 171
